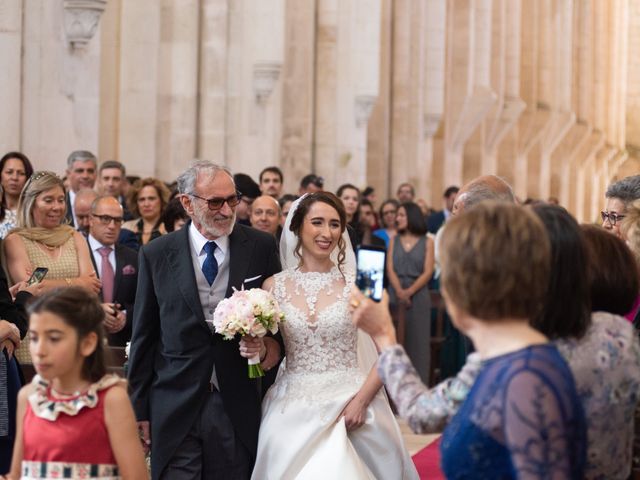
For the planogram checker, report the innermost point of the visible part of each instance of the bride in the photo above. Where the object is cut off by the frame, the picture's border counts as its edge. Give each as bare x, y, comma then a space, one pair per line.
326, 415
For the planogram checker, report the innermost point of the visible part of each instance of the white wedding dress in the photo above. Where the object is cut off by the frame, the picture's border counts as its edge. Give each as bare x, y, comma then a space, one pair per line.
302, 434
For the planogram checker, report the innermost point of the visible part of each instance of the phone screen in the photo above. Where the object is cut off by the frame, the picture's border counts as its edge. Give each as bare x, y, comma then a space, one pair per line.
37, 275
370, 274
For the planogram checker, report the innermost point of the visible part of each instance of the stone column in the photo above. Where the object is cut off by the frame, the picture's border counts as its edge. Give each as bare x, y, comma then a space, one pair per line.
470, 97
136, 93
506, 81
298, 100
177, 86
10, 74
60, 98
379, 126
212, 111
408, 143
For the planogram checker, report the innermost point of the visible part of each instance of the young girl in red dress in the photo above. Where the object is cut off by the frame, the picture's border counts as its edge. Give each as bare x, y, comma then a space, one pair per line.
74, 420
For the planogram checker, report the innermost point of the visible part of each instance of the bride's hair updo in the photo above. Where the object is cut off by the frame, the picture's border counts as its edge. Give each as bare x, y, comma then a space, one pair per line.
303, 209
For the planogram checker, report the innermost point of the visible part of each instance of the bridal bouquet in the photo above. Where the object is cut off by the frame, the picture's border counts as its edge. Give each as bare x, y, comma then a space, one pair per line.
251, 312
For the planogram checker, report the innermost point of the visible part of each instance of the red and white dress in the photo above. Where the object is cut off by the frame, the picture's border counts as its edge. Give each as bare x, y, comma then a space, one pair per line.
67, 437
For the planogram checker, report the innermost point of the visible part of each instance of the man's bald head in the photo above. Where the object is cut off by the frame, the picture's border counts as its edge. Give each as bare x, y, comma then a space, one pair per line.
486, 187
265, 214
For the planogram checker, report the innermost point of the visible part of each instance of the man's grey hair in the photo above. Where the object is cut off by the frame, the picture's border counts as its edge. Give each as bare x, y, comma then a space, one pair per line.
187, 180
627, 190
488, 187
81, 156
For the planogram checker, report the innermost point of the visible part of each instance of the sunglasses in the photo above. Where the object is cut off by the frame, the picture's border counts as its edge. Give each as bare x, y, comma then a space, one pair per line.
216, 203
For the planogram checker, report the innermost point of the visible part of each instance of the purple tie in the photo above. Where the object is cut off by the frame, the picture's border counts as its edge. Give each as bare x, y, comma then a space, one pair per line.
106, 275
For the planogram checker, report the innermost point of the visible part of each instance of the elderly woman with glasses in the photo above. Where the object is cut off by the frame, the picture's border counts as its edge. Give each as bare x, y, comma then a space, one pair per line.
147, 200
619, 196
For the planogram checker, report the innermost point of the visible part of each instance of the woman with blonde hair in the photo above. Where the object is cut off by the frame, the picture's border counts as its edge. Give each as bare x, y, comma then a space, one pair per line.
42, 239
147, 199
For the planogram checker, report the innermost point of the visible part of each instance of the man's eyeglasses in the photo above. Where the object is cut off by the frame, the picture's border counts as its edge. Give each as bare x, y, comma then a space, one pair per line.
611, 217
216, 203
107, 219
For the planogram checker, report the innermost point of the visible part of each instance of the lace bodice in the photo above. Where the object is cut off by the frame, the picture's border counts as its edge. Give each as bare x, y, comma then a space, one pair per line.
318, 333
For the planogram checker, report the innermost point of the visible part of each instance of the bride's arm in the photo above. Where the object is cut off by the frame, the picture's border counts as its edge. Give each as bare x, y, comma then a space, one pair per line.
355, 413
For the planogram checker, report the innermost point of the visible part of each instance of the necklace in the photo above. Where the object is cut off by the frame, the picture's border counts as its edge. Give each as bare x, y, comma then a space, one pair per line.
63, 395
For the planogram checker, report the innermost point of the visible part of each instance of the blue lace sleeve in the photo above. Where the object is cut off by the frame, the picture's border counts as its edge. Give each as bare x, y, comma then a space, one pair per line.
535, 427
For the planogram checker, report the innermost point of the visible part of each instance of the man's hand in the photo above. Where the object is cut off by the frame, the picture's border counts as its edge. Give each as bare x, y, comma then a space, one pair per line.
114, 319
145, 436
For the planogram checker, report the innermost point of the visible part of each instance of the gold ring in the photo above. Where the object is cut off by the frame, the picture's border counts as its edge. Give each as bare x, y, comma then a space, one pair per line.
355, 303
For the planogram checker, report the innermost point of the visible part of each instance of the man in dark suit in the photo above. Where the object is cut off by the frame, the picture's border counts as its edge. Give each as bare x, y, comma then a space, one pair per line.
188, 385
437, 219
119, 274
81, 173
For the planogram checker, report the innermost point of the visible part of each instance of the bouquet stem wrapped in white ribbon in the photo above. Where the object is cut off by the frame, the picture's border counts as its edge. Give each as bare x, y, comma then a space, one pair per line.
248, 312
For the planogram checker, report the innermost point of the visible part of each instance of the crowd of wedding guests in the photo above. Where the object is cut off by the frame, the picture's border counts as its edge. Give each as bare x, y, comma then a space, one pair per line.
549, 309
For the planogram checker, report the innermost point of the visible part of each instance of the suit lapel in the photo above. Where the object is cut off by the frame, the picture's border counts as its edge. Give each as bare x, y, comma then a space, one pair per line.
119, 266
240, 248
182, 274
95, 267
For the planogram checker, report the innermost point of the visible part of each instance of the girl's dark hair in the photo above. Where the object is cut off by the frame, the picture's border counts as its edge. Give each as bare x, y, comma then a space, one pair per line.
301, 212
174, 211
82, 311
567, 308
415, 219
28, 170
612, 271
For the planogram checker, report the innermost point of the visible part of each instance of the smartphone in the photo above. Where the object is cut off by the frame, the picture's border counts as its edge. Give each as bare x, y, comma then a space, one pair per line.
370, 273
38, 275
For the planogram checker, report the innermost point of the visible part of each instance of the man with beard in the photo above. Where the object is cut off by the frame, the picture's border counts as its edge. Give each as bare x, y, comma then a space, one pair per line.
190, 388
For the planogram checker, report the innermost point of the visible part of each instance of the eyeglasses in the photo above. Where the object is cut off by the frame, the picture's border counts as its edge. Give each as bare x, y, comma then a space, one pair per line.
611, 217
107, 219
389, 212
216, 203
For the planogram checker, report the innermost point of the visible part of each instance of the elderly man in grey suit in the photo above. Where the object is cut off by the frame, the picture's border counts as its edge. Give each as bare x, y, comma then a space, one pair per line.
190, 387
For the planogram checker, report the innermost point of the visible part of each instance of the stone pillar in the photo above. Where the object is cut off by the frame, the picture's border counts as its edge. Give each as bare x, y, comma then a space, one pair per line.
60, 98
136, 92
298, 79
254, 88
10, 74
212, 111
470, 97
379, 126
435, 21
177, 86
505, 81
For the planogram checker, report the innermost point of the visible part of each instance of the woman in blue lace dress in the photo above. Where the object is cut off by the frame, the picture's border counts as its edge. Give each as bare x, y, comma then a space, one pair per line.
522, 417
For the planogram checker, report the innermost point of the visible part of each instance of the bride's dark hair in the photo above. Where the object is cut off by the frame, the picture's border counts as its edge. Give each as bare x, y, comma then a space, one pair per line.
301, 212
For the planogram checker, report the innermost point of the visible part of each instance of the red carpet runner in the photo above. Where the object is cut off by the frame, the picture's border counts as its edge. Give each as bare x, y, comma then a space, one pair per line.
427, 462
